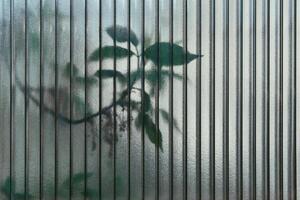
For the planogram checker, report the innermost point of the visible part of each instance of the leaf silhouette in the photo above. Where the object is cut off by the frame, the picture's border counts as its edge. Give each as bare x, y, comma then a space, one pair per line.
108, 52
151, 78
21, 196
88, 80
147, 102
8, 186
90, 193
68, 68
109, 73
164, 49
80, 106
121, 34
165, 115
76, 181
8, 189
154, 135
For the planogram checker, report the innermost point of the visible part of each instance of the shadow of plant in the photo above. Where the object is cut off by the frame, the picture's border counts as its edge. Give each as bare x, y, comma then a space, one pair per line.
153, 66
76, 182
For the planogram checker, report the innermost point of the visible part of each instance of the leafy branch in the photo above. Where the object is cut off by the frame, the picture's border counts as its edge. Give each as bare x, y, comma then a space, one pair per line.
157, 64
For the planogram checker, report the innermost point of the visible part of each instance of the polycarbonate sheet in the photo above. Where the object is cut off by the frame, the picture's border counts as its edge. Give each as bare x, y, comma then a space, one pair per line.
149, 99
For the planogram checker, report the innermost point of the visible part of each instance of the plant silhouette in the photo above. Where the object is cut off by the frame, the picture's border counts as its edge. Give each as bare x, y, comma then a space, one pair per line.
152, 67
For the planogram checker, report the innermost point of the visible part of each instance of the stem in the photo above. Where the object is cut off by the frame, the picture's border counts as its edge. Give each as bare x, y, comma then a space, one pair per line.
87, 118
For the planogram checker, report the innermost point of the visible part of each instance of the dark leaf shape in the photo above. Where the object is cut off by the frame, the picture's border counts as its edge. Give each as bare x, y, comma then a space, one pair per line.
79, 104
88, 80
34, 41
134, 105
165, 115
9, 186
109, 52
109, 73
154, 135
90, 193
135, 76
152, 80
5, 187
164, 49
77, 179
68, 69
121, 34
151, 76
80, 177
147, 102
22, 196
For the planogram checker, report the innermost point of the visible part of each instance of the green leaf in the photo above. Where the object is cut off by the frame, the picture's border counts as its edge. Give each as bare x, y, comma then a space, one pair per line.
68, 68
80, 177
90, 193
121, 34
151, 76
109, 73
111, 52
88, 80
22, 196
135, 105
154, 135
34, 39
76, 179
164, 49
79, 104
147, 102
5, 187
165, 115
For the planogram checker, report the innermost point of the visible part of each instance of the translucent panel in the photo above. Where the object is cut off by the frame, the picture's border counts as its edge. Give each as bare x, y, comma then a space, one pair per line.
149, 99
5, 93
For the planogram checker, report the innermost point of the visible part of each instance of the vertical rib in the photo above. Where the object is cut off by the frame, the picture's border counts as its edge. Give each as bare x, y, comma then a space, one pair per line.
56, 103
266, 102
41, 101
279, 138
240, 102
198, 96
292, 173
185, 7
71, 91
129, 99
26, 150
212, 101
157, 39
85, 94
100, 100
142, 99
12, 93
171, 101
114, 101
252, 116
226, 103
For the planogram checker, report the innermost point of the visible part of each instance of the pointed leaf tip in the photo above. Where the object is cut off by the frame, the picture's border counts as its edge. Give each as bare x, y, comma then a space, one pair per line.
166, 51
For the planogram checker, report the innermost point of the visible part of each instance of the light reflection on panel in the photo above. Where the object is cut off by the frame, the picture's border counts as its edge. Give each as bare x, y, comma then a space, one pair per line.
92, 104
107, 127
164, 99
63, 97
177, 104
33, 40
5, 103
150, 154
